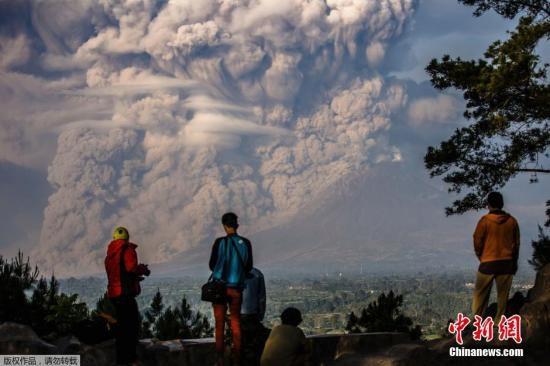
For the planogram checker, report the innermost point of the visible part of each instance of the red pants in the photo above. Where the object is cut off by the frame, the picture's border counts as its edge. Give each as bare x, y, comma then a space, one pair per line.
234, 298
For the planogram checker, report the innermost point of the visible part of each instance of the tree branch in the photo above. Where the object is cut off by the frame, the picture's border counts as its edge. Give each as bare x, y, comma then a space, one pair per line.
526, 170
531, 6
498, 166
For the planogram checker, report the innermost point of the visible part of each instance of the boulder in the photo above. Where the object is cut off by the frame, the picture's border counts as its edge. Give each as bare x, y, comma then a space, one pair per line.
177, 352
514, 305
541, 290
398, 355
94, 330
99, 354
69, 345
535, 314
22, 340
367, 343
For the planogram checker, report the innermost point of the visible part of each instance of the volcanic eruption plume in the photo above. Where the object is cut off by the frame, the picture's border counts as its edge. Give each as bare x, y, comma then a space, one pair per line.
192, 108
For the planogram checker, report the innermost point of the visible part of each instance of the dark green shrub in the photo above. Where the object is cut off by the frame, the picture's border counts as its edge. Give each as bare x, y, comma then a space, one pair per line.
16, 278
25, 299
151, 315
177, 323
541, 250
383, 315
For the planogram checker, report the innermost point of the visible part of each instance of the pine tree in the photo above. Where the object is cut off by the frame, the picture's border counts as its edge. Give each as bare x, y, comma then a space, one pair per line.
39, 306
47, 311
541, 250
16, 277
167, 325
506, 96
181, 323
65, 313
194, 325
541, 246
352, 324
384, 315
104, 306
151, 315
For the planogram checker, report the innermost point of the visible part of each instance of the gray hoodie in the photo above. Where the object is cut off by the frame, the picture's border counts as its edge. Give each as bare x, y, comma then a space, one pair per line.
254, 294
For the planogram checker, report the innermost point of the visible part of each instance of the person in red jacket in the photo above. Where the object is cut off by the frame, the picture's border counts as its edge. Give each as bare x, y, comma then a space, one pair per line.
123, 275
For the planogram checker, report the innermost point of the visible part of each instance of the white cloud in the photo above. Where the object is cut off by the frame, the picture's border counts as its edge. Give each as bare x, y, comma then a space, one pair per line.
14, 51
375, 53
34, 108
219, 129
441, 109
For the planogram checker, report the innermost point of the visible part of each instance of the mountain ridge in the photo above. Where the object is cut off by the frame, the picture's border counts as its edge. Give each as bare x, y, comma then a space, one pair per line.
352, 226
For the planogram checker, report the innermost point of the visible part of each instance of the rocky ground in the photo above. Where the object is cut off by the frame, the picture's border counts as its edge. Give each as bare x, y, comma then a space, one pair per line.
17, 339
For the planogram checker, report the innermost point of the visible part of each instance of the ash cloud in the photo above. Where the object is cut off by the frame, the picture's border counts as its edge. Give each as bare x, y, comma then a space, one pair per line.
189, 109
443, 109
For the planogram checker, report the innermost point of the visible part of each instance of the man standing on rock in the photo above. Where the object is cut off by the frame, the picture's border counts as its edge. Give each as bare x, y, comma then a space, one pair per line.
496, 244
124, 274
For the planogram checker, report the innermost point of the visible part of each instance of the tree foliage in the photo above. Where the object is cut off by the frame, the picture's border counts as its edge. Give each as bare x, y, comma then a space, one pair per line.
46, 310
16, 277
541, 250
27, 299
104, 306
180, 322
383, 315
151, 315
506, 94
510, 8
541, 246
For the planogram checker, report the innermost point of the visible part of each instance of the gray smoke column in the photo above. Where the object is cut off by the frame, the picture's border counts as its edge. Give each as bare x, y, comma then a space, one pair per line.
251, 106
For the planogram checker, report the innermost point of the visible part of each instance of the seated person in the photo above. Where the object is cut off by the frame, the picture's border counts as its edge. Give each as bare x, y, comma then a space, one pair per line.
286, 345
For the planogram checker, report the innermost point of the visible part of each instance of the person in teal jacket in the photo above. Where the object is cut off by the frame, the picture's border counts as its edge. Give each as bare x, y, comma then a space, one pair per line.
230, 261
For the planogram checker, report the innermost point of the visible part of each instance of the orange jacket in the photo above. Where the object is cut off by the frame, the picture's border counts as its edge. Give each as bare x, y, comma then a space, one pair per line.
496, 237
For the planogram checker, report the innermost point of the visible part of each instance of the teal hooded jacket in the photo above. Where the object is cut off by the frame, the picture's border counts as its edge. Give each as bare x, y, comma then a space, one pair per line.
231, 260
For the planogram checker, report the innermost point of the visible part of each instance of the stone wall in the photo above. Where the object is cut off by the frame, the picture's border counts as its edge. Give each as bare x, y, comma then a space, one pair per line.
325, 348
20, 339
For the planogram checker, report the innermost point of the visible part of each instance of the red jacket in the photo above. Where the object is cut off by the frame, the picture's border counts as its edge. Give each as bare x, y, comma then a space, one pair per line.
122, 281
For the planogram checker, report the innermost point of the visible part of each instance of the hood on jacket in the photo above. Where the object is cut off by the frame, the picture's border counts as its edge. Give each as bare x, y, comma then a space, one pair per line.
116, 246
498, 217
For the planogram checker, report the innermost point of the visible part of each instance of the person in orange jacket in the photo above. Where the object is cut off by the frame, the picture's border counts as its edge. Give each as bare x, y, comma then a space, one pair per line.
123, 275
496, 244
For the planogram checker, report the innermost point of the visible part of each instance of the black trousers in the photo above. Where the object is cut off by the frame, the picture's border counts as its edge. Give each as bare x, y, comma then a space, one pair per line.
127, 330
254, 336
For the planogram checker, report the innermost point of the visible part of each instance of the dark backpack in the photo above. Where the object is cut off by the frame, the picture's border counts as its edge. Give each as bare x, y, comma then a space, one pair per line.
95, 330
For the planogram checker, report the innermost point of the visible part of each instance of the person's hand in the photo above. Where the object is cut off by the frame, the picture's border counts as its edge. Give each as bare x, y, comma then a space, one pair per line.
143, 269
